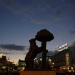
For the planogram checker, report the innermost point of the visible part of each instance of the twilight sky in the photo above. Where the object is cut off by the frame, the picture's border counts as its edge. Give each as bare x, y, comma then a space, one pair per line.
20, 20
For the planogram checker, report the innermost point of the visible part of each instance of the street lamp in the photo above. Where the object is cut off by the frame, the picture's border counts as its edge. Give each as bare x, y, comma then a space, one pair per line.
52, 65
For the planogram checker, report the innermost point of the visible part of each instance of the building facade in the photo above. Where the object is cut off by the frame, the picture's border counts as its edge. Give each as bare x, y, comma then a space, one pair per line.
6, 64
61, 58
65, 58
72, 54
21, 64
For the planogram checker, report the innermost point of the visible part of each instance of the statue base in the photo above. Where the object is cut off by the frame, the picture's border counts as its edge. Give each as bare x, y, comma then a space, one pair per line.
37, 73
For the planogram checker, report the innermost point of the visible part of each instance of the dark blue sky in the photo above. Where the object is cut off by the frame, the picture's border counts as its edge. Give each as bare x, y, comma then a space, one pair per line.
21, 19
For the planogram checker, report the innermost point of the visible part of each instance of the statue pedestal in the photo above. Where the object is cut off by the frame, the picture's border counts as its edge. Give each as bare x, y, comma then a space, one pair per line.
37, 73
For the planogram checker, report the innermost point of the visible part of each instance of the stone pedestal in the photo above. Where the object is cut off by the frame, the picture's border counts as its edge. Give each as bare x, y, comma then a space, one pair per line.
37, 73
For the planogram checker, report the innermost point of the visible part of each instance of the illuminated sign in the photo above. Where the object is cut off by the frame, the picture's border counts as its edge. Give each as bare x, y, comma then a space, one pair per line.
60, 48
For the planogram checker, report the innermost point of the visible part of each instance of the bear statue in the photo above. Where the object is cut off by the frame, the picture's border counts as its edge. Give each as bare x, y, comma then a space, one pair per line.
33, 51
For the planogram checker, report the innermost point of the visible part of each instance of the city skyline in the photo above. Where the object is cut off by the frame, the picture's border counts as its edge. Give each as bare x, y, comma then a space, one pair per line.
20, 20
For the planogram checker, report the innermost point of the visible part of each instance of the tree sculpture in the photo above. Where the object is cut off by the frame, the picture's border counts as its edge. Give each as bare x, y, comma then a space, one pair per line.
44, 36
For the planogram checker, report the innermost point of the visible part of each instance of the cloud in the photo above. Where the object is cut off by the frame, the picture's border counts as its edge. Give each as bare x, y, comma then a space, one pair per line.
6, 53
12, 53
3, 52
12, 5
71, 3
12, 47
41, 20
31, 10
49, 4
72, 32
56, 33
58, 14
38, 11
73, 18
17, 6
24, 53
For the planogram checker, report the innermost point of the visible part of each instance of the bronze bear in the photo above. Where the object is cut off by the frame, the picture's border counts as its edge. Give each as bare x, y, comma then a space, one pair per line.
33, 51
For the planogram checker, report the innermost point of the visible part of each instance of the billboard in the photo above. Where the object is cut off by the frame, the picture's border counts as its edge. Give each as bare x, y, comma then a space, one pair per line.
63, 47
